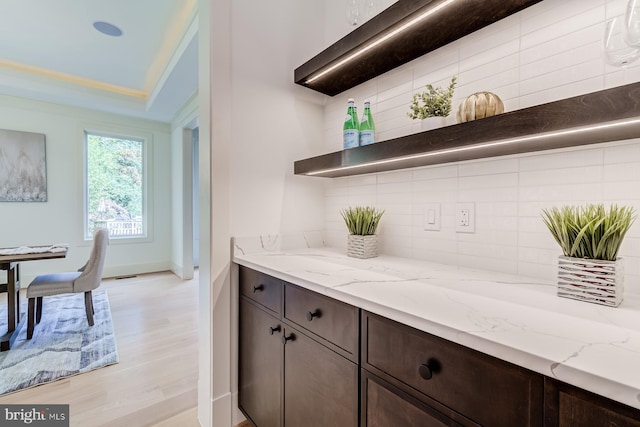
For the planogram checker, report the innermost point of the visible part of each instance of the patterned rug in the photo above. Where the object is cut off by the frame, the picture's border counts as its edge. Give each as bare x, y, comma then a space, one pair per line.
63, 344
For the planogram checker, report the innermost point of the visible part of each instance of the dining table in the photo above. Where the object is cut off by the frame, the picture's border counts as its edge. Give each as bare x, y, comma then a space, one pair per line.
10, 259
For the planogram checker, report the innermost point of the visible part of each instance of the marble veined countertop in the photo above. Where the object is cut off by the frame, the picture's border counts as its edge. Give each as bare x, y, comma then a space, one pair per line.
517, 319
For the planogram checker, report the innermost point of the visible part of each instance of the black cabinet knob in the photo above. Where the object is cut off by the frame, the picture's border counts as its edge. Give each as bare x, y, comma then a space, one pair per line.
312, 314
288, 338
425, 371
258, 288
273, 330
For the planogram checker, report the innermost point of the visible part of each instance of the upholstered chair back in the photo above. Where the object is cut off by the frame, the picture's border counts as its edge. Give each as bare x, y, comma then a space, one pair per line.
92, 270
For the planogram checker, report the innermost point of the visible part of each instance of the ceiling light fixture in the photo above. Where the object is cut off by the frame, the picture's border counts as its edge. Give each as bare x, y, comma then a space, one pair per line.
479, 146
381, 40
107, 28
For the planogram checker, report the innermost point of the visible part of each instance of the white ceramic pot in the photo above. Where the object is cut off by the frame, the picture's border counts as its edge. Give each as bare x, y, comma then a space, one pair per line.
591, 280
362, 246
431, 123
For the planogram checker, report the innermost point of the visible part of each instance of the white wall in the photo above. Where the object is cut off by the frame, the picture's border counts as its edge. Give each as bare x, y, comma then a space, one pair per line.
274, 121
550, 51
60, 218
259, 122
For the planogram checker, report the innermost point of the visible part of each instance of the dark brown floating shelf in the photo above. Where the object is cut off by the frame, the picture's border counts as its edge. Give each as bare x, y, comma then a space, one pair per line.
603, 116
454, 20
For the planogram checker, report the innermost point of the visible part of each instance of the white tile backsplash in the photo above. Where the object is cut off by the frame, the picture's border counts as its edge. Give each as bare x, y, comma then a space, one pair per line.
547, 52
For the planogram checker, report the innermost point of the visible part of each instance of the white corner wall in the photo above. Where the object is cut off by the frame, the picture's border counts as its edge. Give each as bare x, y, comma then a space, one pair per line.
273, 121
550, 51
60, 218
257, 123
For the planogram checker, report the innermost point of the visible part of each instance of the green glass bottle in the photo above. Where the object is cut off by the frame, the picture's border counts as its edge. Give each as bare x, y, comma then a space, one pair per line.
367, 127
350, 128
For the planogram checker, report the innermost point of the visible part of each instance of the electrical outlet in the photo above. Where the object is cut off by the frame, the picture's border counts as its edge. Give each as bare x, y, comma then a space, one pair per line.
465, 218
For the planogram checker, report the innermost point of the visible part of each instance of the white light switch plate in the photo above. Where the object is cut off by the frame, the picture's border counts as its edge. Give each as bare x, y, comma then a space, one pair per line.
432, 216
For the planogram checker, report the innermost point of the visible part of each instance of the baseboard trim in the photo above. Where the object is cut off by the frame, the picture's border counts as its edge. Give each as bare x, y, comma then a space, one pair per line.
177, 270
133, 269
239, 420
221, 411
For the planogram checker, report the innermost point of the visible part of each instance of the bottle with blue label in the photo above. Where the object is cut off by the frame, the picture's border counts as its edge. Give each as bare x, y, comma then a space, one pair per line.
367, 127
350, 129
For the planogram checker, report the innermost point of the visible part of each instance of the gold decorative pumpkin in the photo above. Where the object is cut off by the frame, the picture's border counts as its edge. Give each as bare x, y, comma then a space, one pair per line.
478, 106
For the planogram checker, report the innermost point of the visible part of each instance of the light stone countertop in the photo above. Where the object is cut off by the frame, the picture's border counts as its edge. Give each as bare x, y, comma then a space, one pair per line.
517, 319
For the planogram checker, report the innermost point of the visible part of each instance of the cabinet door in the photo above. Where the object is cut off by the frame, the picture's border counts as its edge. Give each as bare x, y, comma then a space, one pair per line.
320, 386
386, 406
568, 406
260, 366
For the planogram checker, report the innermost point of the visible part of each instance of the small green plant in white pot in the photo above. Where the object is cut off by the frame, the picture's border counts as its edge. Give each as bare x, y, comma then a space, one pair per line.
362, 223
434, 102
590, 237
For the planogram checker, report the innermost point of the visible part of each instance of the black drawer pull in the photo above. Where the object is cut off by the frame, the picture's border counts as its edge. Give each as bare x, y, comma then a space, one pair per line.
425, 371
312, 314
273, 330
258, 288
288, 338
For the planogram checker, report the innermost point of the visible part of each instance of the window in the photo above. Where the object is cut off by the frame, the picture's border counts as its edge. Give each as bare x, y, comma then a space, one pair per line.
115, 185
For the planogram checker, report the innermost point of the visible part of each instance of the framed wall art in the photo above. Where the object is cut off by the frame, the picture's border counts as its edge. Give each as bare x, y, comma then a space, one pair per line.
23, 167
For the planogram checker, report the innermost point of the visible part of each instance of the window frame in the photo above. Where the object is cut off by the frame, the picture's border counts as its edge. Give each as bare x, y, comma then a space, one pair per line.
147, 194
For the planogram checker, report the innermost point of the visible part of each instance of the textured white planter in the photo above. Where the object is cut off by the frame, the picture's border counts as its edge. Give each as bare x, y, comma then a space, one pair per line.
591, 280
362, 246
431, 123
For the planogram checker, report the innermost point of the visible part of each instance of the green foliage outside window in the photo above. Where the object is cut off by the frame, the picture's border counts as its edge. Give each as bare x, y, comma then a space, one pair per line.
114, 179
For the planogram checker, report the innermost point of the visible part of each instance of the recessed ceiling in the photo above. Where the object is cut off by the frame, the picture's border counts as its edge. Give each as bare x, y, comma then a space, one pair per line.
50, 51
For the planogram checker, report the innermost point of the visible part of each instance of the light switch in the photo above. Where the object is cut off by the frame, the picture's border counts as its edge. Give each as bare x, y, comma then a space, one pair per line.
432, 217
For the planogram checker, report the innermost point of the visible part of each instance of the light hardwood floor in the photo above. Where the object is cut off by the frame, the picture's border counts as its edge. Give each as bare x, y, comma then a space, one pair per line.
155, 383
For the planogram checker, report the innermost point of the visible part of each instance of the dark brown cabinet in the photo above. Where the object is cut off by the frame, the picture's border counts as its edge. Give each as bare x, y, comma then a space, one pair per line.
309, 360
567, 406
321, 387
261, 288
298, 355
260, 367
384, 405
452, 378
332, 322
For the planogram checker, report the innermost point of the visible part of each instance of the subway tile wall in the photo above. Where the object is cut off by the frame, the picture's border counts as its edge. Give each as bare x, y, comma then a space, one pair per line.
550, 51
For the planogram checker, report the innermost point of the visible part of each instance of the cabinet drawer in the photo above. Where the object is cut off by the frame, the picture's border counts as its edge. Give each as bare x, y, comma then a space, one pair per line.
385, 406
484, 389
261, 288
332, 320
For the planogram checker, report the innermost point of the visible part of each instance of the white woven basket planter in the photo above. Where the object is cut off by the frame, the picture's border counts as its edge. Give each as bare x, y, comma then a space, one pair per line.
362, 246
591, 280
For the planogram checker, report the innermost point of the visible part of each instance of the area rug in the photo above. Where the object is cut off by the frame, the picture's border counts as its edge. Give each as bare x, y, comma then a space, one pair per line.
63, 343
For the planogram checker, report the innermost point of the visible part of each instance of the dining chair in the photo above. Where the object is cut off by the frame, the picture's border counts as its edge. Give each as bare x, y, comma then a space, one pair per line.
86, 279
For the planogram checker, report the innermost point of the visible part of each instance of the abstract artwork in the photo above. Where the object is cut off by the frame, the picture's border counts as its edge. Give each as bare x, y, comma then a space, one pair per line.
23, 170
